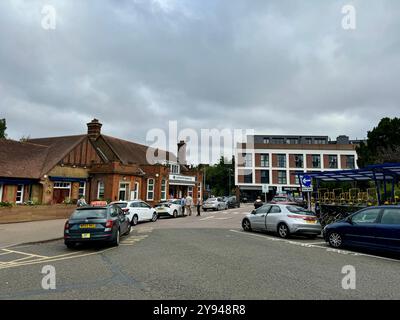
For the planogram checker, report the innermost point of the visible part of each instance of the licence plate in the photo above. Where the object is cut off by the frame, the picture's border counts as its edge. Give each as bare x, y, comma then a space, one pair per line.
85, 235
87, 226
312, 221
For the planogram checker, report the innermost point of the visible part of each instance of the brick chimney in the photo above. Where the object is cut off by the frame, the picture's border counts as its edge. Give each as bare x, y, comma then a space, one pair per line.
94, 129
182, 152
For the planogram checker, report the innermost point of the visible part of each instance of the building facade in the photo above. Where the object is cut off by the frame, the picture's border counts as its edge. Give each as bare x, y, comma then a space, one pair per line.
93, 166
274, 160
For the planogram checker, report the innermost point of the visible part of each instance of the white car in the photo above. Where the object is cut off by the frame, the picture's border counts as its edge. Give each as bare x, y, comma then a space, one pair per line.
138, 211
170, 208
215, 204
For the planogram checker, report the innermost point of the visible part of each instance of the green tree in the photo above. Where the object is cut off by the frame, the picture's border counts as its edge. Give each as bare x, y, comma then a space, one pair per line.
382, 145
220, 177
3, 128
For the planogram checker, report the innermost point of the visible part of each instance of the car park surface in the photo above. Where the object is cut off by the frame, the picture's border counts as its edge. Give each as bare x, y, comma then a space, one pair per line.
207, 257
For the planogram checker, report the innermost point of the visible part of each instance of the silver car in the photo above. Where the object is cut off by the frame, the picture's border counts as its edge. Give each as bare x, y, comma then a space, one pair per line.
214, 204
284, 220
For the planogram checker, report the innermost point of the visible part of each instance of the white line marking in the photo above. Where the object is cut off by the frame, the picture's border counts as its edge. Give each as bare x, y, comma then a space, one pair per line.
309, 245
207, 218
224, 218
25, 253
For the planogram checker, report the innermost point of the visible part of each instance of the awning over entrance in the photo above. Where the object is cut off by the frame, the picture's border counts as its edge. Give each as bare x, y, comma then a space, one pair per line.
67, 179
16, 181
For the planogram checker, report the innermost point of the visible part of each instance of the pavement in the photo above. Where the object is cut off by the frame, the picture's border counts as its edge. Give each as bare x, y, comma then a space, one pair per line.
190, 258
12, 234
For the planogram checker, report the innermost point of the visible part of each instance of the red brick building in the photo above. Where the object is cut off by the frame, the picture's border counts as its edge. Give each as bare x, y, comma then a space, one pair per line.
94, 166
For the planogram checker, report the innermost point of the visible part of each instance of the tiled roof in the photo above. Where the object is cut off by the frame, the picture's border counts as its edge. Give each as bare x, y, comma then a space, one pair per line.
130, 152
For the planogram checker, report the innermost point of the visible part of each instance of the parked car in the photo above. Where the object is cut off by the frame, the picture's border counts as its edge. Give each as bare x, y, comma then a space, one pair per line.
90, 224
284, 220
232, 202
169, 208
137, 211
214, 204
283, 199
376, 228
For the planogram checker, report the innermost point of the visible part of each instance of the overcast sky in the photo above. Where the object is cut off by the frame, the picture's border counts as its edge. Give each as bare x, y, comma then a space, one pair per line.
278, 67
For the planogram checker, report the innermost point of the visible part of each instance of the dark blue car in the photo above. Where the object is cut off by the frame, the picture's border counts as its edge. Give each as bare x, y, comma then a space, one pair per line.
372, 228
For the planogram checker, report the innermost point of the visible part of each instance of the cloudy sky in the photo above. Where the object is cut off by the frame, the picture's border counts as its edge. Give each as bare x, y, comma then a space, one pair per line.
272, 66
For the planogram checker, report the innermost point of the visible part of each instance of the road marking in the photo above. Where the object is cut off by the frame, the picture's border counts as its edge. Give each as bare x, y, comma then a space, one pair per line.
25, 253
51, 259
315, 245
224, 218
207, 218
2, 254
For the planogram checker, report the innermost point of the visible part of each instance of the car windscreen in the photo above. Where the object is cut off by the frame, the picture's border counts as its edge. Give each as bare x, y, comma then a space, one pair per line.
211, 200
90, 214
300, 210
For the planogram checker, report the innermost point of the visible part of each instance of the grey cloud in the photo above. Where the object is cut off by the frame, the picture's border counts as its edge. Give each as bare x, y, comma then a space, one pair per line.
273, 66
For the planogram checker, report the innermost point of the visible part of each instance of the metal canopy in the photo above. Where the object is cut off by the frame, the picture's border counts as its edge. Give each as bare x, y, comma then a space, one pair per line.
379, 173
387, 171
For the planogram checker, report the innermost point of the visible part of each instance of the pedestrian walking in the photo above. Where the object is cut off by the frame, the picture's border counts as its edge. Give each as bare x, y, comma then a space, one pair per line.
188, 205
198, 204
183, 205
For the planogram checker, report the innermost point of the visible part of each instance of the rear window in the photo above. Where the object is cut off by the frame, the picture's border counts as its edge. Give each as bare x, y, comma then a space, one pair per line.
300, 210
90, 214
121, 205
211, 199
279, 199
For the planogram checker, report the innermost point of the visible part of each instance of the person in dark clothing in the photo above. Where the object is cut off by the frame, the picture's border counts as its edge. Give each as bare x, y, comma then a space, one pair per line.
198, 204
258, 203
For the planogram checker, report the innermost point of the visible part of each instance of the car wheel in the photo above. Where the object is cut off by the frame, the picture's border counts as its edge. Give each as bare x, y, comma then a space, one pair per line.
246, 225
154, 218
134, 220
70, 245
128, 231
283, 230
335, 240
175, 214
116, 239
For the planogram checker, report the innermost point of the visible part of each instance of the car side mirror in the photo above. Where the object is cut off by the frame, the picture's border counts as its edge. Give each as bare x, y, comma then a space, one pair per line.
349, 220
253, 212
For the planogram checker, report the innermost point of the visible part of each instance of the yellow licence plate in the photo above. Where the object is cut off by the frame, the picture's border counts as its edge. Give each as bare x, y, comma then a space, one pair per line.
312, 221
85, 235
87, 226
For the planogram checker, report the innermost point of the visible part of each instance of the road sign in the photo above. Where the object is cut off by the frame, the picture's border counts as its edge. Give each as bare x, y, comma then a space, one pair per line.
306, 181
265, 188
307, 189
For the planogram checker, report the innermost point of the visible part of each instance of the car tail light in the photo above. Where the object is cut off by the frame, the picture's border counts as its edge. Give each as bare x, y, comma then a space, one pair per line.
109, 224
66, 226
125, 209
298, 216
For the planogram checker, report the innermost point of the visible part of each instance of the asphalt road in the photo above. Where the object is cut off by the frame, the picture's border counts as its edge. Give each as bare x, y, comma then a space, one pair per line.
207, 257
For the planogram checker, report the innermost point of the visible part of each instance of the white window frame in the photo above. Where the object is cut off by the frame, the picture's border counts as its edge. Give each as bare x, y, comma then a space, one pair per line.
84, 189
190, 191
150, 191
199, 191
98, 189
21, 195
135, 191
127, 189
164, 192
1, 192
